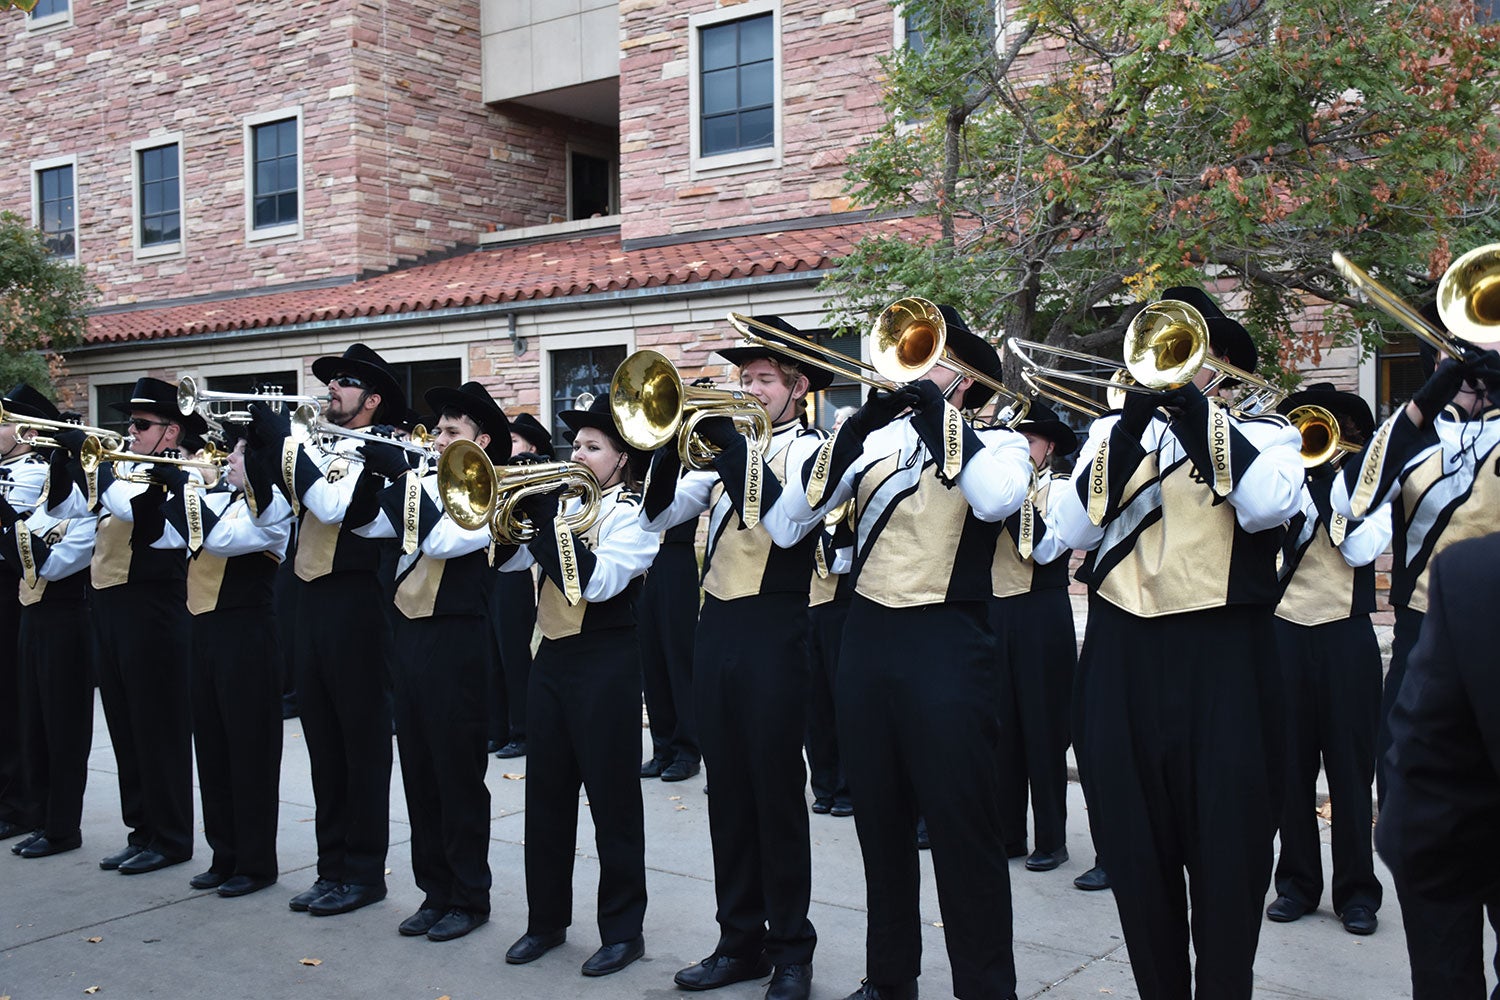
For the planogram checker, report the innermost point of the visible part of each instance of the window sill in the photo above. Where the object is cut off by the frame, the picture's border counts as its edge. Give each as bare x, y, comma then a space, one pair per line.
159, 250
739, 162
292, 231
52, 22
551, 229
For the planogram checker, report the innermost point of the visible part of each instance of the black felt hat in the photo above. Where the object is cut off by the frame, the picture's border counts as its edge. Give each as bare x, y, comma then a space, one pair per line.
22, 399
473, 401
533, 433
974, 351
1225, 336
370, 368
1344, 405
1042, 421
817, 378
599, 416
152, 395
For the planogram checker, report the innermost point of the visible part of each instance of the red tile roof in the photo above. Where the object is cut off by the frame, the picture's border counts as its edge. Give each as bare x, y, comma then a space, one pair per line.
554, 269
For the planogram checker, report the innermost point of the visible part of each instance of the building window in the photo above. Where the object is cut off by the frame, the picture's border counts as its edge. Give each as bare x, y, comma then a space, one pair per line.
160, 196
574, 372
105, 415
49, 9
416, 377
737, 86
55, 210
1398, 367
591, 185
275, 172
842, 391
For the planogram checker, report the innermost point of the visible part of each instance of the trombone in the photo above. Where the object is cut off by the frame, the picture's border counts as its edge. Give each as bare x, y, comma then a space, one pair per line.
907, 340
309, 428
190, 398
1321, 441
475, 492
37, 425
651, 406
1468, 301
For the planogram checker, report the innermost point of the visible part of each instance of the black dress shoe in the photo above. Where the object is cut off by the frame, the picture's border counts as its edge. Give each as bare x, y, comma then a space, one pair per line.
530, 947
31, 837
1093, 880
9, 829
207, 880
43, 847
653, 767
870, 991
307, 897
1015, 849
515, 748
1359, 919
421, 922
455, 924
149, 861
493, 746
244, 885
345, 899
790, 982
1045, 861
614, 957
721, 970
124, 854
841, 808
1285, 909
680, 770
822, 806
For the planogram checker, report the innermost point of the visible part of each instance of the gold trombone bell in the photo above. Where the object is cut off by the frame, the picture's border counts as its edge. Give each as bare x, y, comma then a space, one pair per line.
476, 493
1320, 435
651, 406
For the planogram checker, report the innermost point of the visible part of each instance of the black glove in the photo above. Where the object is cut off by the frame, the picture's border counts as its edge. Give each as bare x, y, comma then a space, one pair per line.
1484, 368
388, 460
1186, 401
527, 458
8, 515
541, 507
1438, 391
717, 431
1137, 413
70, 439
173, 477
268, 427
883, 407
929, 396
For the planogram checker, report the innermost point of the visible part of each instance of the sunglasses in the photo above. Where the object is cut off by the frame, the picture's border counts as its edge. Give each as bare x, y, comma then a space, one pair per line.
348, 382
143, 425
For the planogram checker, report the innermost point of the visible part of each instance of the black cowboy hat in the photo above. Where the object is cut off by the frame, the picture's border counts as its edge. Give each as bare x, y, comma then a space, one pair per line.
817, 378
599, 416
1344, 405
974, 351
152, 395
1225, 336
474, 401
533, 433
22, 399
370, 368
1042, 421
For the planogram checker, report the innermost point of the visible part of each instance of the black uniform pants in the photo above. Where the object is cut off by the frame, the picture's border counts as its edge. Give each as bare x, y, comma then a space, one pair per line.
668, 616
1331, 676
237, 666
16, 806
1403, 640
344, 696
916, 713
1445, 944
829, 784
1180, 730
1038, 654
750, 680
55, 659
142, 657
512, 620
585, 730
442, 664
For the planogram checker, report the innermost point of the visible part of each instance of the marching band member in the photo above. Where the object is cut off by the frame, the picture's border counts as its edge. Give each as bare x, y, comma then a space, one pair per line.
1032, 619
750, 697
442, 654
584, 703
342, 645
916, 689
1178, 718
236, 669
1330, 668
50, 651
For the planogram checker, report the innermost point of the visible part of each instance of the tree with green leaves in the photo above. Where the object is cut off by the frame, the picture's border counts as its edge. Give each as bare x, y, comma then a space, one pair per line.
44, 303
1091, 153
25, 5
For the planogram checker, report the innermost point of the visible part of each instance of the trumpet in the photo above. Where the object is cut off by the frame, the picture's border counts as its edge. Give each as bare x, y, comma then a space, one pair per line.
36, 425
7, 485
475, 492
907, 340
1321, 441
190, 398
651, 406
1468, 301
94, 453
309, 428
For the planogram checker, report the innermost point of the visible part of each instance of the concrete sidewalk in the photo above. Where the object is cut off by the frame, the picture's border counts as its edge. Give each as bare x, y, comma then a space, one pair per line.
157, 938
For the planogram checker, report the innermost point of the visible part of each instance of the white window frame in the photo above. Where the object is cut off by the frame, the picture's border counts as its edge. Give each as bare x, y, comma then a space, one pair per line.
37, 166
742, 160
292, 230
598, 151
139, 146
1001, 25
552, 343
51, 22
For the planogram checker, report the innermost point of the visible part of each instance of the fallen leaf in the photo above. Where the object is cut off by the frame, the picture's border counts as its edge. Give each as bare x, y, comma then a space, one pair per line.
92, 989
92, 940
937, 923
445, 997
513, 777
682, 808
312, 961
387, 871
1326, 810
673, 798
